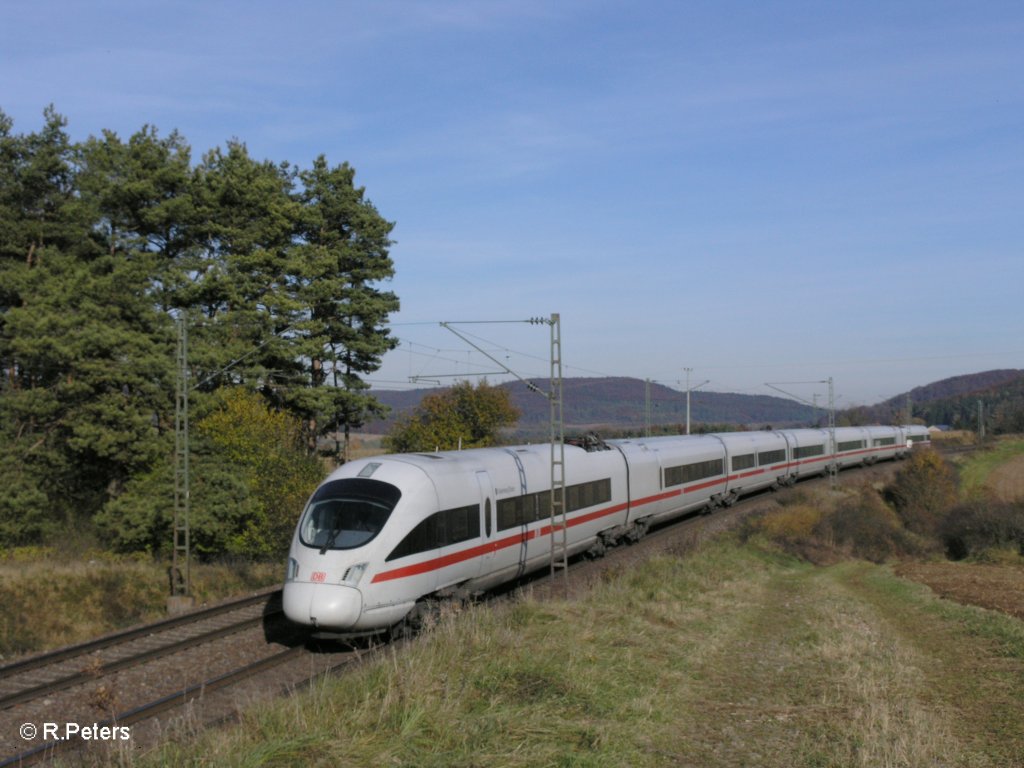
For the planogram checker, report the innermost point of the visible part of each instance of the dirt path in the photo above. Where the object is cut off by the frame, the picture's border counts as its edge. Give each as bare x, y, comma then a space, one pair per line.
843, 665
799, 667
1007, 480
972, 666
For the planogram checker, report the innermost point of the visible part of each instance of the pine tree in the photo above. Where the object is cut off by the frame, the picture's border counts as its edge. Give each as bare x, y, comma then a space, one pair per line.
105, 243
44, 243
341, 258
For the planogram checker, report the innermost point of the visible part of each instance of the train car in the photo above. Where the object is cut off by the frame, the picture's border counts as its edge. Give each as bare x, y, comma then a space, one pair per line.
596, 501
755, 460
917, 436
381, 535
810, 451
669, 476
885, 442
853, 446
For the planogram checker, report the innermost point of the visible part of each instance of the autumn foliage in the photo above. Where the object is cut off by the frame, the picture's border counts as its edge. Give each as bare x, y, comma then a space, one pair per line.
464, 416
864, 526
250, 478
265, 448
912, 515
922, 492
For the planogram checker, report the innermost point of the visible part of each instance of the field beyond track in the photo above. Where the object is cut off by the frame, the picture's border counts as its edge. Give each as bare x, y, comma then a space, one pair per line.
731, 656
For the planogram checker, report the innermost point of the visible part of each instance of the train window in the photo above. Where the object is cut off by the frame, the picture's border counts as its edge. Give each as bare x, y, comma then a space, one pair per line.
851, 445
347, 513
538, 507
688, 473
771, 457
574, 497
441, 529
512, 512
531, 507
746, 461
808, 450
884, 441
587, 494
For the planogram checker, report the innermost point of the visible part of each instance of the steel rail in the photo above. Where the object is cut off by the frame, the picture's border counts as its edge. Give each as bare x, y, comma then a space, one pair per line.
71, 651
27, 694
153, 708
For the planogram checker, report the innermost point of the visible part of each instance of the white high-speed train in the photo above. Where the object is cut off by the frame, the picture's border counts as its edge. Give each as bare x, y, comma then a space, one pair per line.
382, 534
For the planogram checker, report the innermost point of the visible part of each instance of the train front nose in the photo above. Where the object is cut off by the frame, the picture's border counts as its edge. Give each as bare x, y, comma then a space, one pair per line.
322, 605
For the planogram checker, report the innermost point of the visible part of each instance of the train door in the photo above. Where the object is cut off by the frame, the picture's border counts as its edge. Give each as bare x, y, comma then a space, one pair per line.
786, 478
487, 518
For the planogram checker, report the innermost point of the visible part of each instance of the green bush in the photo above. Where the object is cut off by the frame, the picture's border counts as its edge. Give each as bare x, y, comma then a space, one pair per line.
250, 477
923, 490
462, 415
978, 525
866, 528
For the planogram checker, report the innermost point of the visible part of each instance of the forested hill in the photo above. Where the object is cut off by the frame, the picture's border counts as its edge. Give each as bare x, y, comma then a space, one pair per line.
969, 384
1002, 404
954, 402
615, 404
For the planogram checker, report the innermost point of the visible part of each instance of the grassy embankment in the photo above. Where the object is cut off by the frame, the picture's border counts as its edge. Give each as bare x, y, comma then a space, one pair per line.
734, 655
47, 601
976, 469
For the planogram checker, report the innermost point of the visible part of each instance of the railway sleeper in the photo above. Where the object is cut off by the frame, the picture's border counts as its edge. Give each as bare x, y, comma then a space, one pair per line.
637, 530
429, 610
609, 539
597, 550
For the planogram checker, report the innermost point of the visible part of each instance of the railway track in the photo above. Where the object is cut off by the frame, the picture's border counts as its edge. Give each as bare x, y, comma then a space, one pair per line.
54, 671
107, 685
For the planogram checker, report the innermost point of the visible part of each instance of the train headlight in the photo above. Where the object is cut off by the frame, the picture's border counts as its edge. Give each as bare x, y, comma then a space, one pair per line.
293, 570
354, 574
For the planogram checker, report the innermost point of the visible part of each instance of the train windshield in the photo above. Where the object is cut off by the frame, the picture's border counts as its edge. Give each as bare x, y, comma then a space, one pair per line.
344, 514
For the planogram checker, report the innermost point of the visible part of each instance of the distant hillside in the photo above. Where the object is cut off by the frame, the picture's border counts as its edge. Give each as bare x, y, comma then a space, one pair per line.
617, 404
1002, 407
958, 386
954, 402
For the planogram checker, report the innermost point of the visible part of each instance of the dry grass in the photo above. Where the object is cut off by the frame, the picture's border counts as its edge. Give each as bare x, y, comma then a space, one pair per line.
49, 602
793, 523
880, 690
1006, 482
954, 437
363, 446
732, 656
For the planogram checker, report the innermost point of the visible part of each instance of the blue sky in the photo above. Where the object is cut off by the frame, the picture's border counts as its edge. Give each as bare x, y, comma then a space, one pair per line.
762, 192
